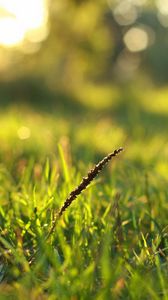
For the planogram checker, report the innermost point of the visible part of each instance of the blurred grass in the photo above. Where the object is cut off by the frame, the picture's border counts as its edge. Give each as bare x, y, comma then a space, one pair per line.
94, 119
107, 244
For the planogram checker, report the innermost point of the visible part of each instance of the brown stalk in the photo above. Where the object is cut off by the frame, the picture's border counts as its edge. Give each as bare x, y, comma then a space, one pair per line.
77, 191
82, 186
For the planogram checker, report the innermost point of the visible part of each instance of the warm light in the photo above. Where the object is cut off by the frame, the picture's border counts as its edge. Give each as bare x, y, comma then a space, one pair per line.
22, 19
10, 32
162, 6
138, 2
136, 39
23, 133
125, 13
163, 12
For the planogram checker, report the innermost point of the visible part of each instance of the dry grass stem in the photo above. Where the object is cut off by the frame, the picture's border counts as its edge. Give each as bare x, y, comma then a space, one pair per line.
82, 186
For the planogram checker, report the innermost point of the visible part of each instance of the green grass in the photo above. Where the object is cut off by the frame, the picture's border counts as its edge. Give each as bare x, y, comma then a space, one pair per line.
111, 243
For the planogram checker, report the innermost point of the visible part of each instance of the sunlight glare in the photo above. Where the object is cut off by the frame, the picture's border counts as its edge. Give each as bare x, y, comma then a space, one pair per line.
21, 20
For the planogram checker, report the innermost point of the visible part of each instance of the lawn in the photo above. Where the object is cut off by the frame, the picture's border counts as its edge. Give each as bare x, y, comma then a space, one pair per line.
112, 242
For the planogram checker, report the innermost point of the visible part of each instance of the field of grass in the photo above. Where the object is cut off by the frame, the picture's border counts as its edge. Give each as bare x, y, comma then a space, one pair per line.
112, 242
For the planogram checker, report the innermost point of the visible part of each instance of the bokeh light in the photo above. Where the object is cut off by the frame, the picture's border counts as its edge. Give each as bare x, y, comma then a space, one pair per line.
125, 13
162, 14
136, 39
162, 6
22, 20
23, 133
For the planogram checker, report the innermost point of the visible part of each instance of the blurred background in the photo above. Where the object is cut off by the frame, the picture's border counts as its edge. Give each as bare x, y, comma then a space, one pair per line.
90, 75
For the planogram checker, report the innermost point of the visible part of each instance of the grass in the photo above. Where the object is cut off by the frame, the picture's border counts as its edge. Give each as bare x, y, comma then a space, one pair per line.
111, 243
